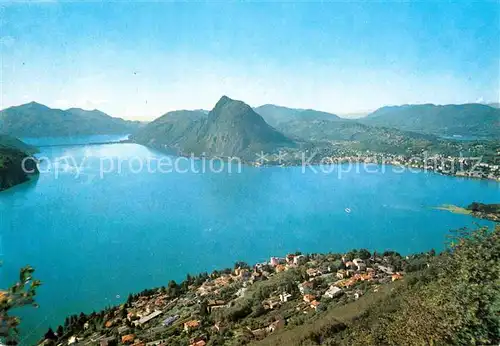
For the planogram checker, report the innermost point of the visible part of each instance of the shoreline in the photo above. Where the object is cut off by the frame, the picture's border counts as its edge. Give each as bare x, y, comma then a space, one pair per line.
375, 271
336, 160
466, 211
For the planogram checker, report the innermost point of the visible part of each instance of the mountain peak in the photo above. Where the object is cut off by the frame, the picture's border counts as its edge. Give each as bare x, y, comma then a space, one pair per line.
232, 128
225, 100
229, 108
34, 104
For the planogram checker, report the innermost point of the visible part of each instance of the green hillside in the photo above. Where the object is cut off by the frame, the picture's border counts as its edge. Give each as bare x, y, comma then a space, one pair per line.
452, 300
448, 120
12, 154
172, 131
36, 120
354, 298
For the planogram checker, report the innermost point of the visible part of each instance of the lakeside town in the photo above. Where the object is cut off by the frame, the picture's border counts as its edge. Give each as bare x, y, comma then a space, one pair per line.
467, 167
240, 305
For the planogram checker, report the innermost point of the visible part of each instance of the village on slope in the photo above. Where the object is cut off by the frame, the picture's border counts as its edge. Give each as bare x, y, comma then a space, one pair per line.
239, 305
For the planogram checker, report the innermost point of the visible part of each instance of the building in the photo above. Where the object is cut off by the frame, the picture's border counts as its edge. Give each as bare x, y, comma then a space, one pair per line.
350, 265
333, 292
156, 343
280, 268
4, 295
357, 261
271, 303
312, 272
123, 330
342, 274
274, 261
278, 324
169, 320
396, 276
306, 287
128, 339
309, 298
190, 325
388, 270
147, 318
361, 266
284, 297
198, 341
299, 260
315, 304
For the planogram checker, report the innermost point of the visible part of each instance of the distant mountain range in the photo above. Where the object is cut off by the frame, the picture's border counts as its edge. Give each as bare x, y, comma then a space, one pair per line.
468, 120
231, 128
448, 120
277, 115
36, 120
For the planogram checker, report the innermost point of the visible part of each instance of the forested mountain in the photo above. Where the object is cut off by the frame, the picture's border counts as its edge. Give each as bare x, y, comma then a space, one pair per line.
12, 154
447, 120
37, 120
231, 128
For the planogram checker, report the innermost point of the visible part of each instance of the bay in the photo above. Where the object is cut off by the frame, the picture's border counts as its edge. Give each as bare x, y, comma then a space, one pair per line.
95, 237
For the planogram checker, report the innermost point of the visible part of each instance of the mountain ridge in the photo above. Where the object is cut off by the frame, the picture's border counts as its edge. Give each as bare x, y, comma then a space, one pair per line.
276, 115
231, 128
34, 119
472, 119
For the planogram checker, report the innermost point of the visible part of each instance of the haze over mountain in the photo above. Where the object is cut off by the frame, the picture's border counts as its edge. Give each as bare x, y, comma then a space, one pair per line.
446, 120
37, 120
276, 115
231, 128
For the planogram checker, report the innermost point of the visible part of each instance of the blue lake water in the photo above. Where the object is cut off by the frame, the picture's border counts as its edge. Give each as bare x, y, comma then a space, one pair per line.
93, 238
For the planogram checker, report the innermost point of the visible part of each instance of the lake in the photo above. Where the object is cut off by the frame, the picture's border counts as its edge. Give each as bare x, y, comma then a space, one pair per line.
93, 238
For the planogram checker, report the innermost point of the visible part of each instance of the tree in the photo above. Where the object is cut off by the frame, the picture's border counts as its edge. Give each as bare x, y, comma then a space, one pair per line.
241, 264
50, 335
130, 299
364, 254
173, 289
22, 293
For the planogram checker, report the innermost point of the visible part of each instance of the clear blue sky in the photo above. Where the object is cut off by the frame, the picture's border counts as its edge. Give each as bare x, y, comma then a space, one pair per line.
139, 60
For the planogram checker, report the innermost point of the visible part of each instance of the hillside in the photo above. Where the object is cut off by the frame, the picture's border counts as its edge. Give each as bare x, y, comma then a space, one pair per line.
12, 154
453, 299
277, 115
36, 120
173, 130
231, 128
356, 136
468, 120
355, 298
